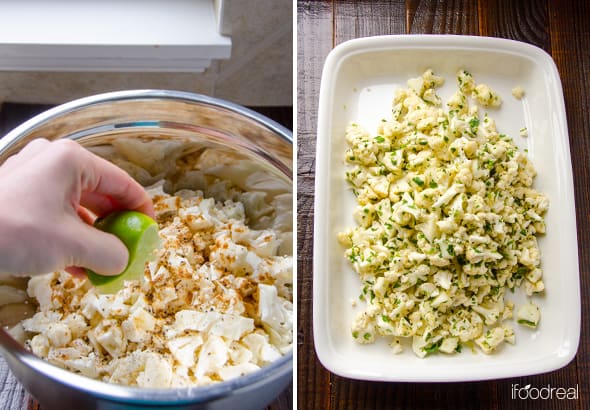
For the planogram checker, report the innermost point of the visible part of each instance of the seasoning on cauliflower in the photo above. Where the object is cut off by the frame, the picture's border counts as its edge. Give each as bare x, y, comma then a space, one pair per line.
216, 304
447, 221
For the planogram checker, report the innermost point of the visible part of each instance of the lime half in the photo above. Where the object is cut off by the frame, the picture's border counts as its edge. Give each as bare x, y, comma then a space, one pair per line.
139, 233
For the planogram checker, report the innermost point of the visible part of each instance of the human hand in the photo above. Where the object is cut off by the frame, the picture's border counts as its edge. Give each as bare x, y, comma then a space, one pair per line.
50, 193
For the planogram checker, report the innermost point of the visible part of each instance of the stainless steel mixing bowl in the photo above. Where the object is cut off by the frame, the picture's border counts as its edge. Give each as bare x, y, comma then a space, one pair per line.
190, 127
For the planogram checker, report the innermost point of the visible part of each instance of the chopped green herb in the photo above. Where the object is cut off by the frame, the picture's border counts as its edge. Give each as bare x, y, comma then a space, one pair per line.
520, 272
527, 323
433, 347
451, 249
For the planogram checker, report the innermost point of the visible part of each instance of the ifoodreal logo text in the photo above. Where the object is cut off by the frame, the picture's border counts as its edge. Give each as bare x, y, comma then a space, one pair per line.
529, 392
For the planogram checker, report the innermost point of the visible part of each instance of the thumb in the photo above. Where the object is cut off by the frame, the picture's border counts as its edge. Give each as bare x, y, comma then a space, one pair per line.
99, 251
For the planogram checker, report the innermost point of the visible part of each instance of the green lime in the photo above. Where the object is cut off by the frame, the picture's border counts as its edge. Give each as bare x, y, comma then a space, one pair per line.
139, 233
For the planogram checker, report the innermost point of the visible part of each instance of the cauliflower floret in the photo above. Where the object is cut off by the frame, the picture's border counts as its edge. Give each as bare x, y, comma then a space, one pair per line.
231, 372
465, 81
528, 315
212, 357
491, 339
110, 337
263, 351
396, 345
486, 96
41, 321
239, 353
39, 345
138, 325
157, 373
275, 314
449, 345
518, 92
85, 365
363, 328
232, 327
184, 348
39, 288
76, 324
59, 334
419, 346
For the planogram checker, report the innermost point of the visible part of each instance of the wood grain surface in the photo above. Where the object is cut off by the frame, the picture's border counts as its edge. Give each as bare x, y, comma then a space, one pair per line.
562, 29
12, 394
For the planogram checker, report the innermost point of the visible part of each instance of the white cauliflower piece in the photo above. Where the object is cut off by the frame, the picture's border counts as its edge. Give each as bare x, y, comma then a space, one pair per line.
212, 357
231, 372
59, 334
138, 325
486, 96
184, 348
529, 315
40, 322
276, 314
491, 339
111, 338
39, 288
157, 373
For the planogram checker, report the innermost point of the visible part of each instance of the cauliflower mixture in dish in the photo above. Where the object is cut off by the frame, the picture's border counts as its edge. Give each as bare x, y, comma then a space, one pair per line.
447, 222
214, 305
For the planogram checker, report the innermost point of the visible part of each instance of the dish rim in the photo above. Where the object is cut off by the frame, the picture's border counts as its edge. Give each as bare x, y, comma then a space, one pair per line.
393, 43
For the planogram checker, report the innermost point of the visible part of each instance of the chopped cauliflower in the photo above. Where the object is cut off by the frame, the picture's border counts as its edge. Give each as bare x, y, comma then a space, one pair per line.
528, 315
518, 92
485, 96
215, 305
447, 221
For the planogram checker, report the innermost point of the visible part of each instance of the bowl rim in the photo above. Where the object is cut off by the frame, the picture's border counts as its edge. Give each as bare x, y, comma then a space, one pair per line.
141, 94
12, 349
142, 395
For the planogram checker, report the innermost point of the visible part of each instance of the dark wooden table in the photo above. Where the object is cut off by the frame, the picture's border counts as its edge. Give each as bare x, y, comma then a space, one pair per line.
12, 395
561, 28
